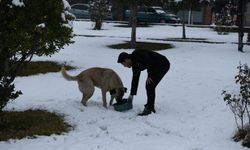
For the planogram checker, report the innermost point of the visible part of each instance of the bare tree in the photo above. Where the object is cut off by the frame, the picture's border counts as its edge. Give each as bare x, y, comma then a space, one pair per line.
133, 24
133, 4
240, 25
187, 5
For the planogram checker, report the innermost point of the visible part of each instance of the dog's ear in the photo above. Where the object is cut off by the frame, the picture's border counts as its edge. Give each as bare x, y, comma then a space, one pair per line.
112, 92
125, 89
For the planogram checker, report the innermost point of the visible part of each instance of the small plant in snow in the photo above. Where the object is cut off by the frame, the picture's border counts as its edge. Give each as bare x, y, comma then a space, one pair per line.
239, 103
98, 11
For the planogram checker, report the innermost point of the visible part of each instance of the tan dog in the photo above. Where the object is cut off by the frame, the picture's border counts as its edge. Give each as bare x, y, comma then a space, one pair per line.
103, 78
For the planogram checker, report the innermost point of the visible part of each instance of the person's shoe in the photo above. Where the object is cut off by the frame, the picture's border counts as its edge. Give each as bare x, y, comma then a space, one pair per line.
146, 112
153, 110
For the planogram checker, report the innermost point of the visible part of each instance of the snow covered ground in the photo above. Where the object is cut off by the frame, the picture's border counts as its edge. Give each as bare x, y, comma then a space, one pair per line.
191, 114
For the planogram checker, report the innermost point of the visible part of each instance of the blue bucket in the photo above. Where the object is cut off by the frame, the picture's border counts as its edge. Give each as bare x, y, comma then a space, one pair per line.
124, 105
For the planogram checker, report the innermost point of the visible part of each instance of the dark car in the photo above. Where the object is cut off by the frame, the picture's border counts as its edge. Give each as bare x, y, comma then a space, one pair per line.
153, 15
80, 10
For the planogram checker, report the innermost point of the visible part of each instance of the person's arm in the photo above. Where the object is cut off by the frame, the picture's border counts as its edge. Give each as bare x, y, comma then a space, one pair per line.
150, 73
135, 81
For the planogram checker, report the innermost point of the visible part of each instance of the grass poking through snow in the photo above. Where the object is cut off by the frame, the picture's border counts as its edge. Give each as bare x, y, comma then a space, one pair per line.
37, 67
30, 123
143, 45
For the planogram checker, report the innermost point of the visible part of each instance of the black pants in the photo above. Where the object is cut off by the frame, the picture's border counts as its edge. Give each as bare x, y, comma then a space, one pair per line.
150, 88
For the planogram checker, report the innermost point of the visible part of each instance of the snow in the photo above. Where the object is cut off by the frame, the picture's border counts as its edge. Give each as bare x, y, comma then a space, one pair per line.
18, 3
42, 25
66, 4
190, 111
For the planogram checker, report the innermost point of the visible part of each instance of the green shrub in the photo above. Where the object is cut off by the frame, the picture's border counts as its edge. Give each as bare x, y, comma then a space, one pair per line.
239, 103
98, 11
33, 27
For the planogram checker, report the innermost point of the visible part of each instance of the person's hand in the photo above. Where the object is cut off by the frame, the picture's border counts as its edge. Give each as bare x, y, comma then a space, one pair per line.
149, 80
130, 98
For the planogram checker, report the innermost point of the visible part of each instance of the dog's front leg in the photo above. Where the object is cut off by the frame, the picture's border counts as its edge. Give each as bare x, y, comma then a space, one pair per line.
104, 98
111, 100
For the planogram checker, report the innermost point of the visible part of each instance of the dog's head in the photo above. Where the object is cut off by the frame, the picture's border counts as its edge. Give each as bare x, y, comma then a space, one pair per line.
118, 93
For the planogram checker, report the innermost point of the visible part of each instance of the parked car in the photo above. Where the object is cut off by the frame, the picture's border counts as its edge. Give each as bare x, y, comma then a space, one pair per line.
153, 15
80, 10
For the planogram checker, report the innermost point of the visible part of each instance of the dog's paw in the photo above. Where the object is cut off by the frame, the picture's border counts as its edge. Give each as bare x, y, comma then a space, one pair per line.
84, 104
105, 106
111, 103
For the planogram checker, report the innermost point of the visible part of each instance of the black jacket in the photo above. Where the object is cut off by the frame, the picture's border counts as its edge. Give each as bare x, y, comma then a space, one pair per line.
150, 60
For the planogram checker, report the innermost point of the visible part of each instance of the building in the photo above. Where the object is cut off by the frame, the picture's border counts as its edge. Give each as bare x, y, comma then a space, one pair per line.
247, 19
203, 15
247, 14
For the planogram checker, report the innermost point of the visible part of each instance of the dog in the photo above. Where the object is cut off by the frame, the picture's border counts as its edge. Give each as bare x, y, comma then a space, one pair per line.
104, 78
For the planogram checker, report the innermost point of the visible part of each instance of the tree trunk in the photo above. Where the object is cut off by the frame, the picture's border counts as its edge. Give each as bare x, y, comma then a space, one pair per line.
183, 26
133, 23
248, 40
98, 24
189, 16
240, 26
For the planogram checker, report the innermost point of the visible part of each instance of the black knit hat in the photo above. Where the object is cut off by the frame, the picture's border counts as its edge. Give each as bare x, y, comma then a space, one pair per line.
122, 57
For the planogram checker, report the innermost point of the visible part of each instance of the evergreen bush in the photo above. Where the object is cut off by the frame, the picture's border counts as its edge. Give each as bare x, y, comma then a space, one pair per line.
28, 28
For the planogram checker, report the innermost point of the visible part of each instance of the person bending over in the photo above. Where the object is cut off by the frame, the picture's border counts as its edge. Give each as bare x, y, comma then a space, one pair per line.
156, 65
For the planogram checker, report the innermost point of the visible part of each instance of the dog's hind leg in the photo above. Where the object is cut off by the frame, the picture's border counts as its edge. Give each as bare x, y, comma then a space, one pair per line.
85, 98
87, 88
86, 95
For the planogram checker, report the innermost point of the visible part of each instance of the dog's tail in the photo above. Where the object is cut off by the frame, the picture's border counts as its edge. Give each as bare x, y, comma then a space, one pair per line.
67, 76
